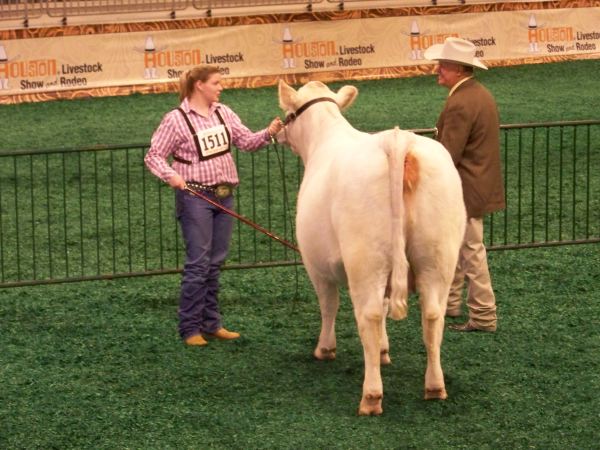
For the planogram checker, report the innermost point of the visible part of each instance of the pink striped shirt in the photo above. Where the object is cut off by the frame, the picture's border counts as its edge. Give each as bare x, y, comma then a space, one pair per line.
173, 137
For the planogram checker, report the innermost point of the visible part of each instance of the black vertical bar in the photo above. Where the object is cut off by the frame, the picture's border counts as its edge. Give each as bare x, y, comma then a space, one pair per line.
33, 247
547, 184
97, 213
560, 185
254, 232
1, 234
533, 184
17, 227
80, 213
112, 209
65, 232
48, 217
519, 185
490, 241
160, 224
144, 215
238, 206
177, 240
587, 188
574, 194
506, 172
128, 197
284, 181
269, 203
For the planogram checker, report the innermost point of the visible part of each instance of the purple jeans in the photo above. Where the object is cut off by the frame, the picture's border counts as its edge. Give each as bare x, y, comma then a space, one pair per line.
206, 232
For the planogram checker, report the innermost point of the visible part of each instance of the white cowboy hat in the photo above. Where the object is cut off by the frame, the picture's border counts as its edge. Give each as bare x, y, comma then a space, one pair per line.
455, 50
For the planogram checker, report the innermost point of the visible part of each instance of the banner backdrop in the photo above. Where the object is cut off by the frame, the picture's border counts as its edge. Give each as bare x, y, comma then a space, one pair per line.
258, 54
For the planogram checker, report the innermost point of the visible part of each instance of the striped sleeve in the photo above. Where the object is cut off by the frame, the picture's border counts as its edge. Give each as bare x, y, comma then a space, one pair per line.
164, 142
242, 137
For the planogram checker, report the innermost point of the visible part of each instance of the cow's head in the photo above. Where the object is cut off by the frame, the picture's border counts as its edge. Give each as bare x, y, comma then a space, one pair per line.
294, 104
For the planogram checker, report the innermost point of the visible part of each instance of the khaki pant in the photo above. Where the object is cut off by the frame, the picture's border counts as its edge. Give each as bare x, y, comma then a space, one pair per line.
473, 267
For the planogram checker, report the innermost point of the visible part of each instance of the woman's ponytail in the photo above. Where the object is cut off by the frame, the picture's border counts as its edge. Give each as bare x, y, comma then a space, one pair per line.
188, 79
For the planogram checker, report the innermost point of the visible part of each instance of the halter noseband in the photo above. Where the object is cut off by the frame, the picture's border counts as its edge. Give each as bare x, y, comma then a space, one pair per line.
293, 116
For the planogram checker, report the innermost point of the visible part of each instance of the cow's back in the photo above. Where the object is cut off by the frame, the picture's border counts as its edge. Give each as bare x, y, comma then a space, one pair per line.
344, 204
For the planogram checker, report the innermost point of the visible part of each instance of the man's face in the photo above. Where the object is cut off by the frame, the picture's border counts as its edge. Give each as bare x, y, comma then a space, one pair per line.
449, 73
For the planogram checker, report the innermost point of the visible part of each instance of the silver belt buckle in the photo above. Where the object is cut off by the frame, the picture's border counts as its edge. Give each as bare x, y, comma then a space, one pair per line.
223, 191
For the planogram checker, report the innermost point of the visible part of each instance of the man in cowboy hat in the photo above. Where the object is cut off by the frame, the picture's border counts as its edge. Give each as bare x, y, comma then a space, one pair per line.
469, 128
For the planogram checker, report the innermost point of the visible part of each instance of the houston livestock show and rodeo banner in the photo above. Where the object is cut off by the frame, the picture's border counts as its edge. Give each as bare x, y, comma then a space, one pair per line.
119, 59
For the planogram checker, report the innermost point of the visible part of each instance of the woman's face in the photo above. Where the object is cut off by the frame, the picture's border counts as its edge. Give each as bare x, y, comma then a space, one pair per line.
210, 89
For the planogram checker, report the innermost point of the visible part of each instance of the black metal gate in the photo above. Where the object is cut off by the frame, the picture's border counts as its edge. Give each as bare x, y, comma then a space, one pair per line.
97, 213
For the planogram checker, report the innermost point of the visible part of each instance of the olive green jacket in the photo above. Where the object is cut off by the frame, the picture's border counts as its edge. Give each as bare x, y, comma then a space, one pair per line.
469, 128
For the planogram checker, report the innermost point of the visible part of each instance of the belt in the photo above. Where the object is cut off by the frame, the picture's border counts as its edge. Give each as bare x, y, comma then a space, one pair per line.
219, 190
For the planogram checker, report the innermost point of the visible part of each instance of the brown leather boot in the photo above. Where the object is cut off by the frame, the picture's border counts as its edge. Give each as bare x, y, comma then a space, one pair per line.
196, 340
470, 326
223, 334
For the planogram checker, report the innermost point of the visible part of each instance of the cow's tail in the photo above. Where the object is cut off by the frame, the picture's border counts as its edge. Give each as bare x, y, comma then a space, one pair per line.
396, 150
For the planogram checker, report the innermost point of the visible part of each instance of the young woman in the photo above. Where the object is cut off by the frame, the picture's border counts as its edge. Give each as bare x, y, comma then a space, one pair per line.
198, 136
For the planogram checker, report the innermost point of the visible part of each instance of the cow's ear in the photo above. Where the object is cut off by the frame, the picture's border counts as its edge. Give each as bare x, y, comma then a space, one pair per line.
346, 96
287, 96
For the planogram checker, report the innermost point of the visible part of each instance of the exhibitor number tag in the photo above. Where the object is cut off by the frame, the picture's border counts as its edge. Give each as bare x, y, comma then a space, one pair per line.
213, 140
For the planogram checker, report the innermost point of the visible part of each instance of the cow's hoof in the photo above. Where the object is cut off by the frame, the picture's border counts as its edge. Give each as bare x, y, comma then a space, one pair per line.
385, 358
324, 354
436, 394
370, 405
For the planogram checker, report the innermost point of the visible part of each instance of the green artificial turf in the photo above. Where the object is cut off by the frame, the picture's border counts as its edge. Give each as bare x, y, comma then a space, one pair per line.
99, 365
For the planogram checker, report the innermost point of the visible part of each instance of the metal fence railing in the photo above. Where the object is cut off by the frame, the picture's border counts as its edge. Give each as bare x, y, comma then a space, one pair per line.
552, 184
21, 9
72, 8
29, 9
69, 215
208, 4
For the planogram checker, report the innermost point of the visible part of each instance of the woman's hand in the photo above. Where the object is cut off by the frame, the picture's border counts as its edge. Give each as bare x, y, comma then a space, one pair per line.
275, 126
177, 182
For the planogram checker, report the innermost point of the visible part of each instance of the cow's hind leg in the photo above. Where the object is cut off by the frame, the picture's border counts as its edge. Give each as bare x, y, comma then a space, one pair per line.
432, 298
369, 312
329, 302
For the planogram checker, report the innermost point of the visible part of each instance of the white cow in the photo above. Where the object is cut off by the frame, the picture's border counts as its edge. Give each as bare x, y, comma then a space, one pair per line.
372, 209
